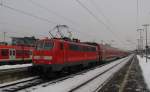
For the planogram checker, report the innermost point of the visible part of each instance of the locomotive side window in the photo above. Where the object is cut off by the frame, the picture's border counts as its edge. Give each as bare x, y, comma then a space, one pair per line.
19, 52
74, 47
89, 49
93, 49
48, 45
4, 52
86, 49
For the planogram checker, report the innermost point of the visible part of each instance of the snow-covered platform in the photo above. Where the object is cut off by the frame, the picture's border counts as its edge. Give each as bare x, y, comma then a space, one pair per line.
6, 67
145, 66
131, 78
10, 73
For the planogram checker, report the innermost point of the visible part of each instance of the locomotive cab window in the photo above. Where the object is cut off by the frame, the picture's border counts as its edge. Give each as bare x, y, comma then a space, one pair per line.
44, 45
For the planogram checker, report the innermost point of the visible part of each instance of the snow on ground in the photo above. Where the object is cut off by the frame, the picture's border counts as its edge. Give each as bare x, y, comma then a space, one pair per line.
4, 67
66, 85
104, 78
25, 79
145, 66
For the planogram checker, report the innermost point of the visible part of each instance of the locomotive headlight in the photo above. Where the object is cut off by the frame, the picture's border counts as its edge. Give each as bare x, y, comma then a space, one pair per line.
48, 57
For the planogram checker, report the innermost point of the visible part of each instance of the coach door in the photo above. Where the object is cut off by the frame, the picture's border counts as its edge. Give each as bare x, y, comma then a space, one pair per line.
12, 54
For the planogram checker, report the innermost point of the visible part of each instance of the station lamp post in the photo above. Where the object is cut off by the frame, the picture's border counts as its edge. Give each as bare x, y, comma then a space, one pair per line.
146, 46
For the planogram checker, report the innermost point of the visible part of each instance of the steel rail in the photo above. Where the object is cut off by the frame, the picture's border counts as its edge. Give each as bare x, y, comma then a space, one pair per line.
83, 84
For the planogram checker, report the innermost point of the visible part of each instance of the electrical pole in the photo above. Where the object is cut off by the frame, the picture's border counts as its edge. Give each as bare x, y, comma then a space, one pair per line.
138, 45
140, 40
146, 47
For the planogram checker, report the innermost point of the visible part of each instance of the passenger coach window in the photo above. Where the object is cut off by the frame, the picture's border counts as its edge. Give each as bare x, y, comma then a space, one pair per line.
19, 52
13, 53
4, 52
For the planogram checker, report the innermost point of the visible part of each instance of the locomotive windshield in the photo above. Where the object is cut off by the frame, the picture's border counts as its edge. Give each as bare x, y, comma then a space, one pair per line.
44, 45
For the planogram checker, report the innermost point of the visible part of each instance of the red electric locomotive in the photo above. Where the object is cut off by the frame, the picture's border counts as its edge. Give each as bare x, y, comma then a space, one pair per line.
15, 54
55, 54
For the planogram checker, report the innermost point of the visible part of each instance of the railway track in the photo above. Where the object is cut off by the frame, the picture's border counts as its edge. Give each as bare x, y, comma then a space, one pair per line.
15, 86
51, 83
4, 71
8, 75
86, 84
32, 84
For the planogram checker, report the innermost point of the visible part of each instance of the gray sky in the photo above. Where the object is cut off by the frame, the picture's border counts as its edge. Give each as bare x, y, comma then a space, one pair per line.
118, 15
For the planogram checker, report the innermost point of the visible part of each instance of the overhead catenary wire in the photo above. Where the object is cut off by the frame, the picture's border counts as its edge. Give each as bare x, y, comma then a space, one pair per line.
99, 20
99, 11
32, 15
52, 12
18, 26
98, 8
92, 14
27, 13
59, 15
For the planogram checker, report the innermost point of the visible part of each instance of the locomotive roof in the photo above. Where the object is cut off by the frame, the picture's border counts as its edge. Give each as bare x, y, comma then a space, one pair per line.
70, 41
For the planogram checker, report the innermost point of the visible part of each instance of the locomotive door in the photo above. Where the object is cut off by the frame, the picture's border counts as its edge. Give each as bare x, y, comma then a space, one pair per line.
63, 59
12, 54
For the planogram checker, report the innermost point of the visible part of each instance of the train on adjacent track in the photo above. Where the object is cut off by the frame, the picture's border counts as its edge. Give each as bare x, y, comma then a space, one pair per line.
10, 54
57, 54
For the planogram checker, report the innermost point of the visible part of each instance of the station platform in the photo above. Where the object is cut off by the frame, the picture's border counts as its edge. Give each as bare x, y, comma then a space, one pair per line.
129, 79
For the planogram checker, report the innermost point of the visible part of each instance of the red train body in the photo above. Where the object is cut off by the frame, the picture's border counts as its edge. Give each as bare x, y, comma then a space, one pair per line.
56, 54
15, 54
